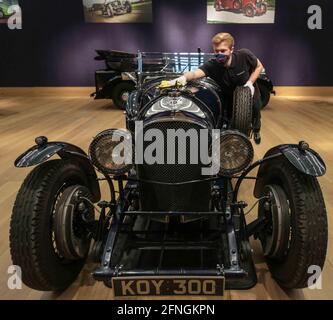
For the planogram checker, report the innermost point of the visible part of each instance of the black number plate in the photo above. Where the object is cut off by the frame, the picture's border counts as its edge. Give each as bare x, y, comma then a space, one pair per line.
168, 286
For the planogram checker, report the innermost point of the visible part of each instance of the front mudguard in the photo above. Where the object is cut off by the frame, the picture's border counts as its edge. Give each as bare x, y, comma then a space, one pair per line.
105, 87
44, 150
105, 80
264, 81
304, 159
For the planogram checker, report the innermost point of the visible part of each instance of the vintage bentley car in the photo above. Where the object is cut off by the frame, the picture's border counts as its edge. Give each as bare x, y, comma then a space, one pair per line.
170, 227
118, 79
111, 8
250, 8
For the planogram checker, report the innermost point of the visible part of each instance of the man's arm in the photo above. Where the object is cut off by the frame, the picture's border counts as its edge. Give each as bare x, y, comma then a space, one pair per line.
256, 73
192, 75
188, 76
254, 76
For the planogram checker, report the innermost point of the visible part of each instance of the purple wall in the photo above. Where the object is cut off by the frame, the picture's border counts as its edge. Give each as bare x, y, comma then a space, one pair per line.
56, 47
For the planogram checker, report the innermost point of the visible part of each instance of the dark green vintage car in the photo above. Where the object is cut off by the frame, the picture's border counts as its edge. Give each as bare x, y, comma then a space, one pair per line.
167, 227
5, 11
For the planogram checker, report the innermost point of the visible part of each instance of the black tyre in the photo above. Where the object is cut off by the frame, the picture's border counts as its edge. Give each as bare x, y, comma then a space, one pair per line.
263, 9
129, 8
109, 11
249, 11
237, 5
302, 208
265, 95
120, 93
242, 110
217, 6
32, 241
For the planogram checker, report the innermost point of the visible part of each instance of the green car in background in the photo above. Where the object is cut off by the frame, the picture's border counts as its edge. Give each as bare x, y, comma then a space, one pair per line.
4, 8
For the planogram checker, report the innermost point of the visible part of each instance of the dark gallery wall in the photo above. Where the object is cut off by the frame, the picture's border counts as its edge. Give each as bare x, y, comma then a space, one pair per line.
56, 47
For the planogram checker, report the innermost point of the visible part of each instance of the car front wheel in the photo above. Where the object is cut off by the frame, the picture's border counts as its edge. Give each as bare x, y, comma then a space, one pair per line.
121, 93
263, 9
129, 8
294, 238
109, 11
249, 11
237, 5
48, 237
217, 6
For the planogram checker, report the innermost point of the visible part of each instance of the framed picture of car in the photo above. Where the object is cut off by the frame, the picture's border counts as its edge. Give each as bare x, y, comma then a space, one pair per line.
5, 9
240, 11
118, 11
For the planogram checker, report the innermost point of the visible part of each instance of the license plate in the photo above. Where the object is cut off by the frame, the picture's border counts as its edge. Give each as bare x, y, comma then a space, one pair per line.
168, 286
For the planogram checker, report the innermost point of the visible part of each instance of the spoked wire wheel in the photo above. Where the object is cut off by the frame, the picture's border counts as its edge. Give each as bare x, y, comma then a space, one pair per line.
275, 209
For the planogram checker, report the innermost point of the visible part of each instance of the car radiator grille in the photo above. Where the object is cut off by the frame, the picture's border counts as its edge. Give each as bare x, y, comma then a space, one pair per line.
184, 197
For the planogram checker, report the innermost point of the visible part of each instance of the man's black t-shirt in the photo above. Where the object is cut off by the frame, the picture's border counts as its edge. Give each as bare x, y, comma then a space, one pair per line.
238, 73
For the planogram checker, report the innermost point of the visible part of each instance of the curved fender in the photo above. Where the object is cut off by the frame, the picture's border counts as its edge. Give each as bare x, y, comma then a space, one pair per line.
266, 82
304, 159
44, 150
113, 79
108, 87
119, 78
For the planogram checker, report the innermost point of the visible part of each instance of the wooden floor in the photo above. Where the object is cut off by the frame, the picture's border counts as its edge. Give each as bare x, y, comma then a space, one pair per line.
77, 118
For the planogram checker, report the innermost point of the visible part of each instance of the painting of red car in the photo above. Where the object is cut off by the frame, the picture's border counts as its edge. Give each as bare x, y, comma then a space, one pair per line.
250, 8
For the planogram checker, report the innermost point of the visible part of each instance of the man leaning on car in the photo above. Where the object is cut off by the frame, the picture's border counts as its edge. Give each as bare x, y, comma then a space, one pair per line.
231, 69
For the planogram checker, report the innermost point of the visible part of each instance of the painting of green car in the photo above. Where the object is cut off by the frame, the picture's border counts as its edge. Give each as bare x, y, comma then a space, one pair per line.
5, 11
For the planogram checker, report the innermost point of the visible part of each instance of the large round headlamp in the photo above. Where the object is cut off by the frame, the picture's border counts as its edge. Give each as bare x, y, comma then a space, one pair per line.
111, 151
236, 152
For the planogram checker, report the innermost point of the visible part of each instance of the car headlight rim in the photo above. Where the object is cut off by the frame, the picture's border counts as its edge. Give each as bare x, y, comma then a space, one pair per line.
233, 144
96, 147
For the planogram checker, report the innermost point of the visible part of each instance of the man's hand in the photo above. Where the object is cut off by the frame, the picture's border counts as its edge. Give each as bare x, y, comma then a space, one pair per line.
187, 76
249, 84
181, 80
172, 83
